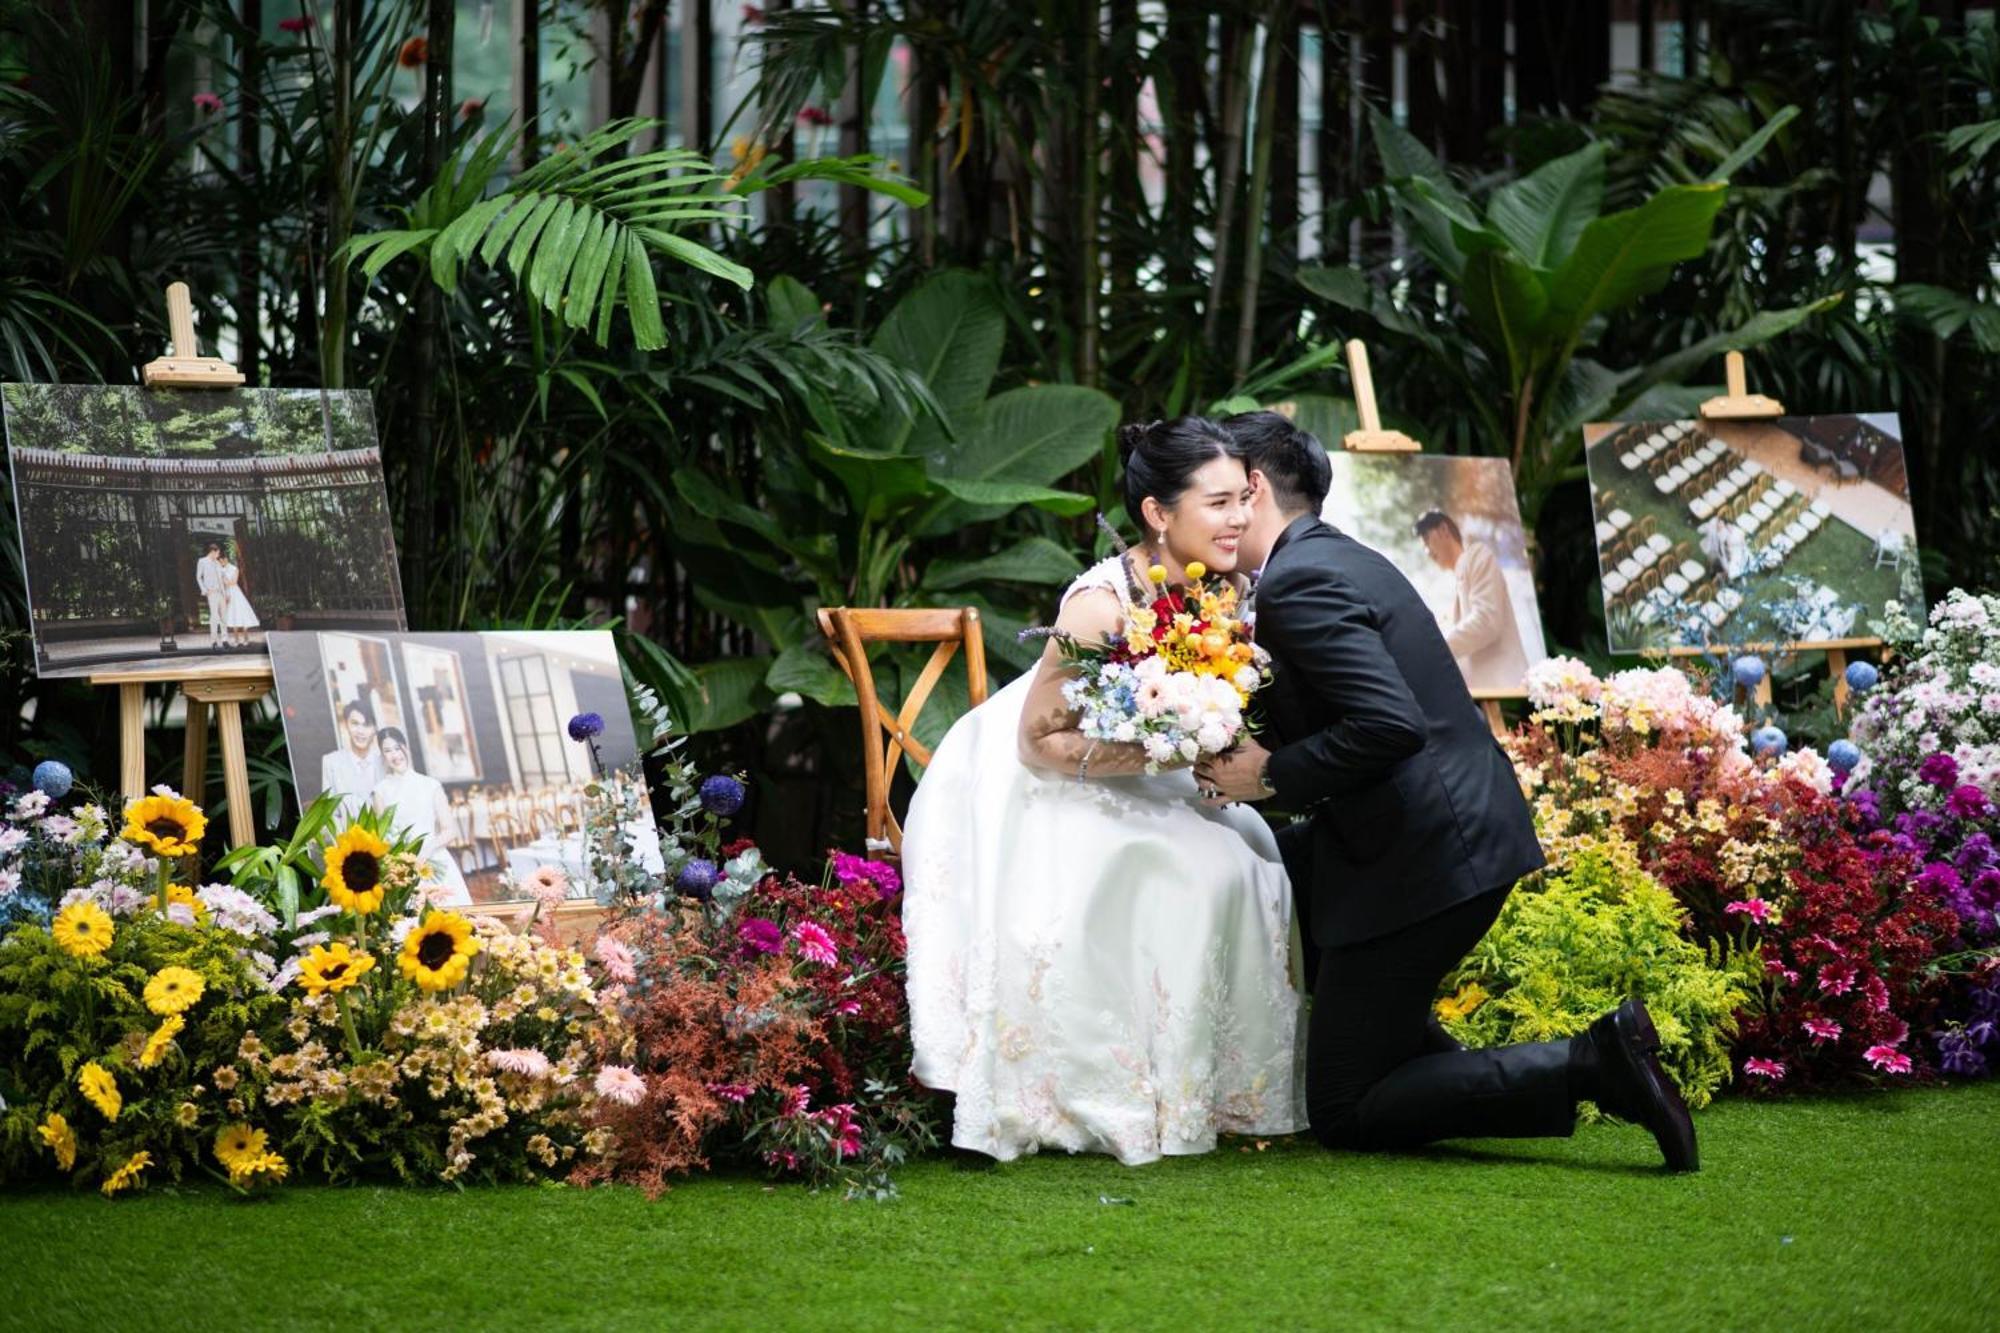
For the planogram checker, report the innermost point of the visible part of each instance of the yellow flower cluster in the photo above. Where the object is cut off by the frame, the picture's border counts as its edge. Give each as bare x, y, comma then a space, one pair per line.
1206, 640
128, 1174
165, 824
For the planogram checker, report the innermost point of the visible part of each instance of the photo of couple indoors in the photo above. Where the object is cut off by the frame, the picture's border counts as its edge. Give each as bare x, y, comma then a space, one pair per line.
1099, 942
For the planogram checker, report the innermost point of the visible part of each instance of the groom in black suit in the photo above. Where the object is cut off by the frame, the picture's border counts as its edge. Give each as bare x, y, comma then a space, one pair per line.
1414, 833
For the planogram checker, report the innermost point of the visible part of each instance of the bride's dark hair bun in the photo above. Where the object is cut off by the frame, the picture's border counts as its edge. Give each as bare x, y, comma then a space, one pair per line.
1161, 458
1132, 435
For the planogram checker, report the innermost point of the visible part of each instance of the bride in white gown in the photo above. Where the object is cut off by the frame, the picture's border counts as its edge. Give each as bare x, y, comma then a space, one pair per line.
1098, 960
419, 809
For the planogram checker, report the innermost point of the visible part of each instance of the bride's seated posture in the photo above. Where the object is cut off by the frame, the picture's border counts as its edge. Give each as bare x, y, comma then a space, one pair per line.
1098, 960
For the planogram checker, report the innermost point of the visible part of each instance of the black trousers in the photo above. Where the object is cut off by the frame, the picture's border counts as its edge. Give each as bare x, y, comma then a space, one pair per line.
1374, 1078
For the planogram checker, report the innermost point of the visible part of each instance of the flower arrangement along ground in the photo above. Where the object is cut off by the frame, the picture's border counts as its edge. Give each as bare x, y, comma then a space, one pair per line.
319, 1018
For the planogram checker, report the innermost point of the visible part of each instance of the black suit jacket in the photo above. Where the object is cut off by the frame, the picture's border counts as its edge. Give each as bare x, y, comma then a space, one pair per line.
1414, 805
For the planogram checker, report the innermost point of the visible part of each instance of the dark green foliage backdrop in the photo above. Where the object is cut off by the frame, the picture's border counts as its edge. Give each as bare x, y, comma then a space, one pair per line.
792, 378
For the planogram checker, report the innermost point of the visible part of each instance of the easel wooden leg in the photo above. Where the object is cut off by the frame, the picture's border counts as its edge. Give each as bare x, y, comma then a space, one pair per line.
235, 772
1836, 665
132, 740
1495, 719
194, 758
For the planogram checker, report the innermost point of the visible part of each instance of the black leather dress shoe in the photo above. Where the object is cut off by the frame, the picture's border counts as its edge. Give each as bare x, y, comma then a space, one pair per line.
1632, 1085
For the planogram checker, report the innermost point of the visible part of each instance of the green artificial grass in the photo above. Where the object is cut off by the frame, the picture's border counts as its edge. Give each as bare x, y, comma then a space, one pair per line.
1856, 1212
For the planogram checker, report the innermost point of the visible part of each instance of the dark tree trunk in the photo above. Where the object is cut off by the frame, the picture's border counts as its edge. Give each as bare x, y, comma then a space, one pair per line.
249, 270
1187, 43
528, 75
420, 475
1285, 147
853, 115
1336, 143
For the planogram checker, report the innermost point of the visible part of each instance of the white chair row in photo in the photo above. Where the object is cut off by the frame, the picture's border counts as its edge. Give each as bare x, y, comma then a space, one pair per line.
1785, 530
1699, 463
1746, 477
1611, 525
1665, 444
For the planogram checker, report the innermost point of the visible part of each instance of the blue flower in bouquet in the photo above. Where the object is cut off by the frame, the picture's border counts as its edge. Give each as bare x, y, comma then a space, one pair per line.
1843, 755
1862, 676
1748, 670
1769, 742
721, 795
697, 878
53, 779
585, 726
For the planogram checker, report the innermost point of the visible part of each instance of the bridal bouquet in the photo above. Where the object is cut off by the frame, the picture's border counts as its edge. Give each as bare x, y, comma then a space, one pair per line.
1177, 678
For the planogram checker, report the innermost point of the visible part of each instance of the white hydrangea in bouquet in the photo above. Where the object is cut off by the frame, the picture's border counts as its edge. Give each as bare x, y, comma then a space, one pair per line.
1176, 678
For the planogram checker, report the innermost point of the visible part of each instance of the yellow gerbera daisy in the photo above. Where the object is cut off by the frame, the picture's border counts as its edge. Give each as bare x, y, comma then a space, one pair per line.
174, 990
1468, 998
332, 967
163, 1037
83, 929
353, 876
100, 1090
437, 953
184, 895
168, 825
238, 1143
60, 1139
263, 1168
127, 1174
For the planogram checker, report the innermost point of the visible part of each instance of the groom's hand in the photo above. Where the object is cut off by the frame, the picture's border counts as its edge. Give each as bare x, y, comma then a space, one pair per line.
1237, 775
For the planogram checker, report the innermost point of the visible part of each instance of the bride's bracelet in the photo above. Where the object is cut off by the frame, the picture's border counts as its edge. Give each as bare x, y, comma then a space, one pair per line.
1083, 768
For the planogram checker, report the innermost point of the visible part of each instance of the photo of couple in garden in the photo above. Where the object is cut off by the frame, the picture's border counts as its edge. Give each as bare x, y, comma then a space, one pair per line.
1006, 666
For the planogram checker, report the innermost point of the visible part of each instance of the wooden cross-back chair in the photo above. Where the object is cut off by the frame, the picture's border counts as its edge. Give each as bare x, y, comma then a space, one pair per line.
886, 735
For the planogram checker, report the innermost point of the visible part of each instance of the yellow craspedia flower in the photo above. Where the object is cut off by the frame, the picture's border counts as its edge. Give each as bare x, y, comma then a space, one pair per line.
100, 1090
166, 825
254, 1169
83, 929
59, 1138
238, 1143
163, 1037
333, 968
127, 1174
1196, 570
437, 953
1157, 573
184, 895
353, 876
174, 990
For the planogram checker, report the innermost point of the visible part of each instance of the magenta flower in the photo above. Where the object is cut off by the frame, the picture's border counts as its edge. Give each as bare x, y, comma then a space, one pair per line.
851, 869
732, 1092
1837, 978
1887, 1059
848, 1008
1771, 1069
1877, 992
207, 102
815, 945
1822, 1029
761, 934
798, 1099
621, 1084
1968, 802
1940, 771
1755, 908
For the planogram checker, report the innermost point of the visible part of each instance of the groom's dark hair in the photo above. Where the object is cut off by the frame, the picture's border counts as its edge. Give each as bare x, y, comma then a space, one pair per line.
215, 547
1293, 462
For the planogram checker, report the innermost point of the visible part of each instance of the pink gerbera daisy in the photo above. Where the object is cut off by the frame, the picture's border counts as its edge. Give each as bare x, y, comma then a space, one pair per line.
526, 1061
1887, 1059
1755, 908
1771, 1069
618, 962
1822, 1029
815, 945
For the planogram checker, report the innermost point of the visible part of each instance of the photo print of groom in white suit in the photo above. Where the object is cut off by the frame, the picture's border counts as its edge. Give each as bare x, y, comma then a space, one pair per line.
208, 578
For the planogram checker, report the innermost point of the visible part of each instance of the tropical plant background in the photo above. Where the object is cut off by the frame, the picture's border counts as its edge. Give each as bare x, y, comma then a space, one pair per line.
692, 317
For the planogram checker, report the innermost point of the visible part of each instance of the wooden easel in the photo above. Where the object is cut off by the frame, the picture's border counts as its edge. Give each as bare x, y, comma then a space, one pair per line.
226, 685
1737, 403
1372, 439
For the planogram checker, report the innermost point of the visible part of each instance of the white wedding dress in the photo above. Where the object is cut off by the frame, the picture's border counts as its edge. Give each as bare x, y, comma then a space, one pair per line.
1099, 966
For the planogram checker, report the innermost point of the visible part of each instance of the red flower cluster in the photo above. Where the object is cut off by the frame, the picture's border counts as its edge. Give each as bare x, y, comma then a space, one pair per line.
1847, 978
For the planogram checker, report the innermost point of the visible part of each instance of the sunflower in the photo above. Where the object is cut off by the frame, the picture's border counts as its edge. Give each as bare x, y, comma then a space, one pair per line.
333, 968
437, 953
184, 895
238, 1143
127, 1174
174, 990
60, 1138
169, 825
163, 1037
83, 929
100, 1089
353, 876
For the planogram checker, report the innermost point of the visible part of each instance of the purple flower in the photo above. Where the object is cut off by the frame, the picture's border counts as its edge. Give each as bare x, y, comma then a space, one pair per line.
1868, 805
1939, 878
761, 934
1958, 1054
850, 869
1968, 802
721, 795
1940, 771
1976, 854
1919, 825
584, 726
697, 878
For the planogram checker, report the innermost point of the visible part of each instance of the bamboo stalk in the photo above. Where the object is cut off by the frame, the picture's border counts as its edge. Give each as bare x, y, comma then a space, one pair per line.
1260, 188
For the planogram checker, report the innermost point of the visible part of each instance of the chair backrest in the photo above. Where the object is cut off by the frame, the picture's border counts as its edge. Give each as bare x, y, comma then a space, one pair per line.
887, 735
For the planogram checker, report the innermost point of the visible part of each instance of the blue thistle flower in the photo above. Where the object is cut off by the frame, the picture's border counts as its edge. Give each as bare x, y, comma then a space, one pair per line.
584, 726
1862, 676
721, 795
1843, 755
1748, 670
697, 878
1769, 742
53, 779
